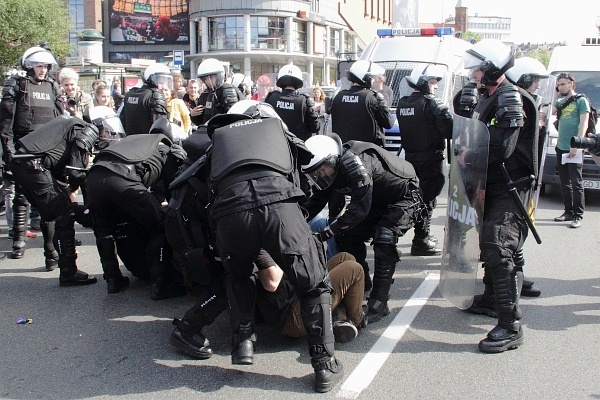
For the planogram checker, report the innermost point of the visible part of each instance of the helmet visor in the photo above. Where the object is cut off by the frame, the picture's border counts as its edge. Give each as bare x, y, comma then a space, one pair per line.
113, 124
163, 80
324, 173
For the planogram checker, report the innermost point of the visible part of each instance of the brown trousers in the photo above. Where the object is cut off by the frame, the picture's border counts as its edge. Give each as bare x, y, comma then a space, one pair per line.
347, 279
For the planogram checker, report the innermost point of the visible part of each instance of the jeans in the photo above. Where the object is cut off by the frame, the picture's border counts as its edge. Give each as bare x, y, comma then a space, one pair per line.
318, 224
571, 185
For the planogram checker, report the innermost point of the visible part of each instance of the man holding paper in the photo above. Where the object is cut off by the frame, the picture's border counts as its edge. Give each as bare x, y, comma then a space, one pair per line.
572, 121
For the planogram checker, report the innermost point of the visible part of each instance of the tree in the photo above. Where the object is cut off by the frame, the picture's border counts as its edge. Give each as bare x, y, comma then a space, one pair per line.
541, 54
24, 23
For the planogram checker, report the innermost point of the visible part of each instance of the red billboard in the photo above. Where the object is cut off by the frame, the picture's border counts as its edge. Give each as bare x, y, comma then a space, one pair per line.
150, 22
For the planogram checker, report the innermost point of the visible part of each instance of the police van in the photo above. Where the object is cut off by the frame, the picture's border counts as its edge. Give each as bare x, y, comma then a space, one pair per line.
399, 51
583, 63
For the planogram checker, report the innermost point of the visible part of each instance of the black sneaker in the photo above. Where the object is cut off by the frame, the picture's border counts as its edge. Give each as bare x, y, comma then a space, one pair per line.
344, 331
425, 249
566, 216
501, 339
530, 289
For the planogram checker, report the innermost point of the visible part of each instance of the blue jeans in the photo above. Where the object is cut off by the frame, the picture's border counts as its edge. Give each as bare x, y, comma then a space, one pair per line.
571, 185
318, 224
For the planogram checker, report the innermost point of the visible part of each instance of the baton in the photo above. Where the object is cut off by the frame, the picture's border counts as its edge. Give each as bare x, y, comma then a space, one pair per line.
515, 196
76, 168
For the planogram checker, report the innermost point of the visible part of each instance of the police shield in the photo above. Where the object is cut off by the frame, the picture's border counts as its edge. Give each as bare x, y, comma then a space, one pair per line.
466, 197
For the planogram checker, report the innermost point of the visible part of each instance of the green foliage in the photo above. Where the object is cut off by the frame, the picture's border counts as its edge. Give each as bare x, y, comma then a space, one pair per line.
24, 23
541, 54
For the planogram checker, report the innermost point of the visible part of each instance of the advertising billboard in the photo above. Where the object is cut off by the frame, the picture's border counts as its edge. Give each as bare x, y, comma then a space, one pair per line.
149, 22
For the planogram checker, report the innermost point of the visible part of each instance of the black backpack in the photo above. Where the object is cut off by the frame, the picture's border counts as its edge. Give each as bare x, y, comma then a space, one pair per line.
592, 116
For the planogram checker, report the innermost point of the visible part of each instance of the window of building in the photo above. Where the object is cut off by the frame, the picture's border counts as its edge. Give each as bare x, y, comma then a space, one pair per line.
334, 41
300, 36
76, 12
226, 33
267, 33
347, 42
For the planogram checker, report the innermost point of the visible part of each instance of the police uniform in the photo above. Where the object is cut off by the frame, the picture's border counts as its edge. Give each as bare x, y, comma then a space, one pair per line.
62, 142
384, 204
504, 229
26, 105
255, 207
360, 114
299, 114
118, 181
141, 107
216, 102
425, 124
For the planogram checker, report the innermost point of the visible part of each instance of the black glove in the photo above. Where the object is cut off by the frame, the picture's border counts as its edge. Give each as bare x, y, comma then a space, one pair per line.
325, 234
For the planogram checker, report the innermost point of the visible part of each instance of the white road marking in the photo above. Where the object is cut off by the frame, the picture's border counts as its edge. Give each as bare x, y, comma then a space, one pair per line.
367, 369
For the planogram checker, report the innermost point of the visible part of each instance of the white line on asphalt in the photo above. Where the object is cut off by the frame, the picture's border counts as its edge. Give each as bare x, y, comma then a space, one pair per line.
367, 369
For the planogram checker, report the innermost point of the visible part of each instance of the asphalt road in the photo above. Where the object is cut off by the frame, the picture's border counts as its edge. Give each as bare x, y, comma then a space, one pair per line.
84, 343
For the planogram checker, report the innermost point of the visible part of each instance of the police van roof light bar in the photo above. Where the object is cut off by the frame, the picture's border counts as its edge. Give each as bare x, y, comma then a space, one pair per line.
415, 32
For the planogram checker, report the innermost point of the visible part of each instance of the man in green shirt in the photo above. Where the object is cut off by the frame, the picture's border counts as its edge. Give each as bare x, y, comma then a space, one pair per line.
573, 121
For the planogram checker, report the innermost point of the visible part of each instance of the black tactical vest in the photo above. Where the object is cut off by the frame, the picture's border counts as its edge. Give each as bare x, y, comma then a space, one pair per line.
35, 106
418, 130
136, 105
290, 107
351, 118
240, 151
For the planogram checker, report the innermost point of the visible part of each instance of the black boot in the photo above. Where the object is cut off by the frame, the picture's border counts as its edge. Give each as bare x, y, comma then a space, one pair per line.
328, 369
64, 242
508, 333
530, 289
424, 248
368, 281
191, 342
501, 339
242, 352
115, 281
485, 304
50, 253
377, 303
19, 230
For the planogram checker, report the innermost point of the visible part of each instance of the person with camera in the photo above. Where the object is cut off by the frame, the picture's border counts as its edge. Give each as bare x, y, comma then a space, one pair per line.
512, 152
74, 99
573, 122
28, 102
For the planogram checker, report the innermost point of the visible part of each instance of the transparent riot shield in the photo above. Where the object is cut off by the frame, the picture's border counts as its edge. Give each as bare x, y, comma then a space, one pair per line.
464, 214
545, 106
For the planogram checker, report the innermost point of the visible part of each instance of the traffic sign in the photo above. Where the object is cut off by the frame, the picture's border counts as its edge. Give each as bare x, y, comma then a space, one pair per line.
177, 57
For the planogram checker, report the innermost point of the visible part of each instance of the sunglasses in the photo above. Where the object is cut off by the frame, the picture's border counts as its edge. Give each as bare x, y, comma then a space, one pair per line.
566, 75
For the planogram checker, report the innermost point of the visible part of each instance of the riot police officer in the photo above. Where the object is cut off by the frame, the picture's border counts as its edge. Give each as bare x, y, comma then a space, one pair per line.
118, 181
255, 207
525, 74
28, 103
360, 113
57, 150
219, 96
513, 147
385, 203
143, 106
425, 124
295, 109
